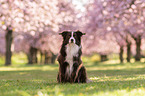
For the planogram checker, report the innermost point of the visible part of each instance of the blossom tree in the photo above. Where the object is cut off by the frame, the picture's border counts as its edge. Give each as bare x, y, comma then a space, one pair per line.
9, 18
97, 27
19, 17
39, 28
126, 16
129, 16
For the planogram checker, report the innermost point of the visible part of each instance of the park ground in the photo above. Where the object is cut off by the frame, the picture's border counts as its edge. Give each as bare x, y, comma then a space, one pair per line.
110, 78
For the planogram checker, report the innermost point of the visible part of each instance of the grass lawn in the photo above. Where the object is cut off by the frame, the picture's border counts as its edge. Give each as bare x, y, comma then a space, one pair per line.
109, 79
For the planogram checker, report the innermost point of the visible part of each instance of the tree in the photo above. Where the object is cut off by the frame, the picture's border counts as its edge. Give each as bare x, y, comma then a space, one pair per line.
8, 15
9, 39
99, 39
126, 15
18, 17
131, 14
135, 25
121, 43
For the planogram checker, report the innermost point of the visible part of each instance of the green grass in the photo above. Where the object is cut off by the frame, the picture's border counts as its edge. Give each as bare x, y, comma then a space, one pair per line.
110, 78
17, 59
1, 60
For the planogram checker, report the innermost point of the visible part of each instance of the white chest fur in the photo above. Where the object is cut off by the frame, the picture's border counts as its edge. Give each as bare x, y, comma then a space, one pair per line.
71, 51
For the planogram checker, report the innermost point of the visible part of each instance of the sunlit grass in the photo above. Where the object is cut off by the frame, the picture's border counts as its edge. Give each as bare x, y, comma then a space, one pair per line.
2, 60
17, 59
110, 78
28, 67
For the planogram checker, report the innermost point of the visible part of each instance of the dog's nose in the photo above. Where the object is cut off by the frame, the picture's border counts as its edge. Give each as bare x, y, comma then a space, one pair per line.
72, 40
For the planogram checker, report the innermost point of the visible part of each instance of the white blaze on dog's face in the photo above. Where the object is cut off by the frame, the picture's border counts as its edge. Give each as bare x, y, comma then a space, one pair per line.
72, 39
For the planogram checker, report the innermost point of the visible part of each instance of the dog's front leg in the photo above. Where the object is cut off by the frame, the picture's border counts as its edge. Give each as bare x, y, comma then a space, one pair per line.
75, 66
62, 71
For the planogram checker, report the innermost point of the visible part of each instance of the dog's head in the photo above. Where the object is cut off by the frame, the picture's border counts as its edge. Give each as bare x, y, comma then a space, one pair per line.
72, 37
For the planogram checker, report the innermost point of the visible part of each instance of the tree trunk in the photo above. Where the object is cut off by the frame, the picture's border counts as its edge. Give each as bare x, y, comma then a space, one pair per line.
47, 57
121, 54
35, 55
32, 56
104, 58
9, 39
128, 51
53, 58
138, 48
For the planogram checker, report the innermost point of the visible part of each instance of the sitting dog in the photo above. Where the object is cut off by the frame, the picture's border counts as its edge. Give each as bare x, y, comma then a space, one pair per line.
70, 63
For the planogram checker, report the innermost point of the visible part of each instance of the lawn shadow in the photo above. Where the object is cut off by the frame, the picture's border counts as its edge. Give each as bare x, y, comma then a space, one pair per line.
107, 86
44, 79
116, 72
104, 64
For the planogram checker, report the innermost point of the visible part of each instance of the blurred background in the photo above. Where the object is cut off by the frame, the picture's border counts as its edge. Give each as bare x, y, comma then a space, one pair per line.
115, 29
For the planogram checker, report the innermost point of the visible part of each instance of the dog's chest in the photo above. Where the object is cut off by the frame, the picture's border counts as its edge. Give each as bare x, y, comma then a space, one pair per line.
71, 51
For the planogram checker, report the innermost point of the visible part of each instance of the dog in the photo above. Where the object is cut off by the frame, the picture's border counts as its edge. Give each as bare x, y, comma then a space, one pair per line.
70, 63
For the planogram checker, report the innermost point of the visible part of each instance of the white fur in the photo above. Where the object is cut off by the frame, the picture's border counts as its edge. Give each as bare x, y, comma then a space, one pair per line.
74, 41
71, 51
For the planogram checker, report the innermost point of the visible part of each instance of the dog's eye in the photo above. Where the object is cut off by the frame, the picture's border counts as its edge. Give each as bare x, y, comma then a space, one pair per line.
70, 35
74, 35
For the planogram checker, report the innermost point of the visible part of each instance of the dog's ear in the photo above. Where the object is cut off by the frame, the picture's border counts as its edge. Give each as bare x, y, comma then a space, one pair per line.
80, 33
64, 33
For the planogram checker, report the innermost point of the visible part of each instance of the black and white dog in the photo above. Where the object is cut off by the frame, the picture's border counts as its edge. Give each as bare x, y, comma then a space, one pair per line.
70, 64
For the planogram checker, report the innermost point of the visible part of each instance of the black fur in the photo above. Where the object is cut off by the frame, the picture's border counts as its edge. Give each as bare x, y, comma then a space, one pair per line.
82, 76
